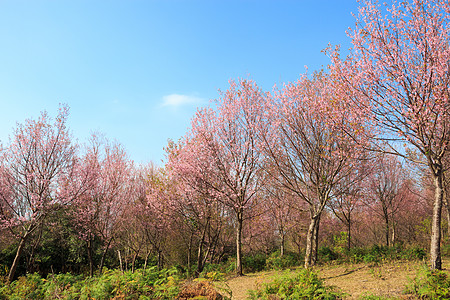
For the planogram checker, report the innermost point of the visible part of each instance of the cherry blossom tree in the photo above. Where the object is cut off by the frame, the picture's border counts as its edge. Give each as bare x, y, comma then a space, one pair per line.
284, 209
35, 170
386, 189
225, 140
98, 211
308, 147
398, 72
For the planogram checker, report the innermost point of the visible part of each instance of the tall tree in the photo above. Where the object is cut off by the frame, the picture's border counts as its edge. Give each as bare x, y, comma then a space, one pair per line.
307, 145
398, 71
226, 140
99, 209
35, 171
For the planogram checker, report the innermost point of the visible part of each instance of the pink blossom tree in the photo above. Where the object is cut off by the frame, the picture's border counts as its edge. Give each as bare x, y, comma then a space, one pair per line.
398, 72
308, 147
98, 211
36, 166
225, 140
196, 203
386, 193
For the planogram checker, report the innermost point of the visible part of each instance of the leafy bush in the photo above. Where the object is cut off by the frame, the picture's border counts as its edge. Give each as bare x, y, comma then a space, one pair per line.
305, 285
25, 287
414, 253
277, 262
376, 254
149, 284
225, 267
430, 284
254, 263
327, 254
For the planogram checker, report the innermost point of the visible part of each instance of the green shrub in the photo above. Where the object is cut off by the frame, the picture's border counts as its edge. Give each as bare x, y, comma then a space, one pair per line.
224, 267
327, 254
430, 284
414, 253
25, 287
254, 263
304, 285
149, 284
277, 262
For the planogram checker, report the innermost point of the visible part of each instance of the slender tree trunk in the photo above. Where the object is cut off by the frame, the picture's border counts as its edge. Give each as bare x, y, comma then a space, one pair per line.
310, 242
160, 260
239, 270
133, 263
200, 249
435, 247
189, 253
102, 261
146, 261
282, 236
316, 241
15, 263
90, 257
387, 229
447, 206
120, 260
30, 263
349, 234
393, 234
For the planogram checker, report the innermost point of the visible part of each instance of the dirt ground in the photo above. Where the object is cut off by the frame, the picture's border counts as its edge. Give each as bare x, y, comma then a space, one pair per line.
387, 279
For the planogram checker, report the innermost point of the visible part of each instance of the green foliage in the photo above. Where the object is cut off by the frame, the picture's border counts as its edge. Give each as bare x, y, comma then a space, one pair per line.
277, 262
225, 267
327, 254
340, 242
149, 284
430, 284
305, 285
26, 287
376, 254
254, 263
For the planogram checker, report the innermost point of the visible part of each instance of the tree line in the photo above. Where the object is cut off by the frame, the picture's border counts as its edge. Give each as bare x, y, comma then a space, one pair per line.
360, 147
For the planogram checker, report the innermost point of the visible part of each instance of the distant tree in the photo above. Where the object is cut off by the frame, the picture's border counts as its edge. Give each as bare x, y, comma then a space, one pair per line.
386, 190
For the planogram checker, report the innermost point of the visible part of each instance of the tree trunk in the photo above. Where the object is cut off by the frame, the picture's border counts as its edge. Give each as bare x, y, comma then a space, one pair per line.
310, 242
200, 249
90, 258
349, 235
316, 241
160, 260
15, 263
102, 261
133, 263
435, 247
239, 270
386, 224
146, 261
393, 234
447, 206
282, 236
120, 260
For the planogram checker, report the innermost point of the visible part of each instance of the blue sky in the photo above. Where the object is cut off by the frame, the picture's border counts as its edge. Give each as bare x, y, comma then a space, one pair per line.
136, 70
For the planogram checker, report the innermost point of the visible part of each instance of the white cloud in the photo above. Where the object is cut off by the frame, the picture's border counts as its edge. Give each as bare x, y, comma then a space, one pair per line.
177, 100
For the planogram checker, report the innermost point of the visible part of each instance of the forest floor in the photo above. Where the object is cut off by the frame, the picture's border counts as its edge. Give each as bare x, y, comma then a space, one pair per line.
387, 279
